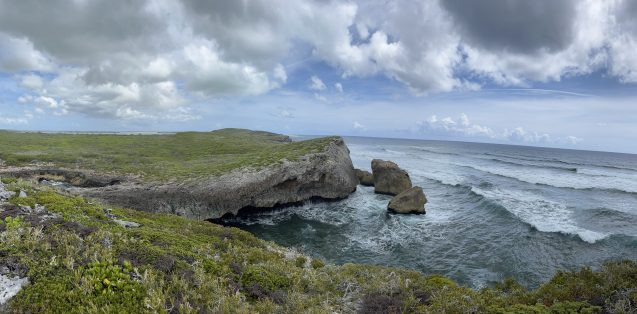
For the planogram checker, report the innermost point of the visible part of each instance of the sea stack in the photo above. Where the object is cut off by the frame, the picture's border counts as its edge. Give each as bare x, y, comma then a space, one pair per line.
364, 177
389, 178
411, 201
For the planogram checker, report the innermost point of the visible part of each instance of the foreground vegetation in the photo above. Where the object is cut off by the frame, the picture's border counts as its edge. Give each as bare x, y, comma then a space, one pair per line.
155, 157
79, 260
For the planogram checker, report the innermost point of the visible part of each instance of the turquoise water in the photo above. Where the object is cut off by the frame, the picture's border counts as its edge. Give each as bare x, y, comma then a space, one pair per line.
494, 211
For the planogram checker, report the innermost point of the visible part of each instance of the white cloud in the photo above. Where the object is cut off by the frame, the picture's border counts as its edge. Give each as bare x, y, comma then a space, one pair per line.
339, 87
13, 120
286, 114
32, 81
145, 59
463, 128
358, 126
316, 83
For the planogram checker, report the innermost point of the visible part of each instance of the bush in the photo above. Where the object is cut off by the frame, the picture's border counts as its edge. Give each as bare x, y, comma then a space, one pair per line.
317, 263
259, 277
300, 261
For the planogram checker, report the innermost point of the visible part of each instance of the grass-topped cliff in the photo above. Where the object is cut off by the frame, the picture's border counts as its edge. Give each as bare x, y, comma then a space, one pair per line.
79, 260
155, 157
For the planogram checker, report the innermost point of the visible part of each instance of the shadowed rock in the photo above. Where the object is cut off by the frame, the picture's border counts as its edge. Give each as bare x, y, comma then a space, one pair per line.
364, 177
411, 201
389, 178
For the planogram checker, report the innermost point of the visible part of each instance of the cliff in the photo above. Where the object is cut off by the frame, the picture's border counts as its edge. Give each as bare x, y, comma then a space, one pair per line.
197, 175
328, 174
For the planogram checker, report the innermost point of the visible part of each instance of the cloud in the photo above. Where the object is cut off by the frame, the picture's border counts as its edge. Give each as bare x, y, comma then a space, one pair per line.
449, 126
316, 83
13, 120
358, 126
339, 87
518, 26
119, 59
462, 127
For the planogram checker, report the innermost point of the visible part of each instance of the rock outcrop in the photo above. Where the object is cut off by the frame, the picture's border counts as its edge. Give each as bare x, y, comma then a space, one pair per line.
364, 177
411, 201
328, 174
4, 194
389, 178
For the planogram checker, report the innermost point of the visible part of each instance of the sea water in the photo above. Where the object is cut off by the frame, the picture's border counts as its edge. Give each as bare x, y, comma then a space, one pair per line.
493, 212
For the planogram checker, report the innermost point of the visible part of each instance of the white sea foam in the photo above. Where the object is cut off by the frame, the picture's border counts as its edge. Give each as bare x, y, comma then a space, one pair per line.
543, 214
562, 180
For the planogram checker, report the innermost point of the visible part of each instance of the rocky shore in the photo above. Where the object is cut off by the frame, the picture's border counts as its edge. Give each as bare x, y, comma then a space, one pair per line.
327, 174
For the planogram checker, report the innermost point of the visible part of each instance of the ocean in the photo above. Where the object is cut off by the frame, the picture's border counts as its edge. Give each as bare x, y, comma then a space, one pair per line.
493, 212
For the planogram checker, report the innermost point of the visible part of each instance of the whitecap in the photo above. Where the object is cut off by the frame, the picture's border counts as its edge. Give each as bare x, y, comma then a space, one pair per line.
544, 215
564, 180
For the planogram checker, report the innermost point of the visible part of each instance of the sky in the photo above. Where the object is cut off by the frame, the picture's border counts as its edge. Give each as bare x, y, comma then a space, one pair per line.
555, 73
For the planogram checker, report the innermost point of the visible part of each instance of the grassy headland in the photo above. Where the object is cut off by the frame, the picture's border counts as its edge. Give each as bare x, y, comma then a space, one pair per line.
155, 157
79, 260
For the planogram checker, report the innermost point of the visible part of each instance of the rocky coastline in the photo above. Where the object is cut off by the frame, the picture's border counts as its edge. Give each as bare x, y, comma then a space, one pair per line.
328, 175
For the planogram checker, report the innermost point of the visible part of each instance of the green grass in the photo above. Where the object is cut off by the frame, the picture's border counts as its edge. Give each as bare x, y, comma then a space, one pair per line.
155, 157
82, 262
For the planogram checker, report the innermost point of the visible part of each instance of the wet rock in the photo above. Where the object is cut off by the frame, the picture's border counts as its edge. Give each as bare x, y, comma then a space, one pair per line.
364, 177
389, 178
411, 201
127, 224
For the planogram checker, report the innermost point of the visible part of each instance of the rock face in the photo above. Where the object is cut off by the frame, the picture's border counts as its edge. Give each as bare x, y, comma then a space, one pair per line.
389, 178
364, 177
325, 175
411, 201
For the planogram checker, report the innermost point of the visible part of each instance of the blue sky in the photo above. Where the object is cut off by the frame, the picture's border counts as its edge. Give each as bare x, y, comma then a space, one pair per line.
562, 74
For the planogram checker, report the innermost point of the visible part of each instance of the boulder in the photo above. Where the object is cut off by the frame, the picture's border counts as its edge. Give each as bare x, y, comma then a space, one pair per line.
389, 178
411, 201
364, 177
4, 194
127, 224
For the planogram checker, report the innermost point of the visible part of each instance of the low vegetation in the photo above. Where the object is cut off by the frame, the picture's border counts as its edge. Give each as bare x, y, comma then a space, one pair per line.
155, 157
78, 260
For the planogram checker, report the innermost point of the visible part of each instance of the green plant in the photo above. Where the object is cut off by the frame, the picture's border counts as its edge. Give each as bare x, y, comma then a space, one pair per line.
317, 263
13, 222
264, 278
300, 261
107, 277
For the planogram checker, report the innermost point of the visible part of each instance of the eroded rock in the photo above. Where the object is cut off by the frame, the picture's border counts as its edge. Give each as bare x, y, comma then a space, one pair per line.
364, 177
389, 178
411, 201
328, 174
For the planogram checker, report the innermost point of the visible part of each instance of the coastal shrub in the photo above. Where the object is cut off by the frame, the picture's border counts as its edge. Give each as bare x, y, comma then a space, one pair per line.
8, 180
109, 278
85, 263
374, 303
317, 263
260, 281
13, 222
186, 155
300, 261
